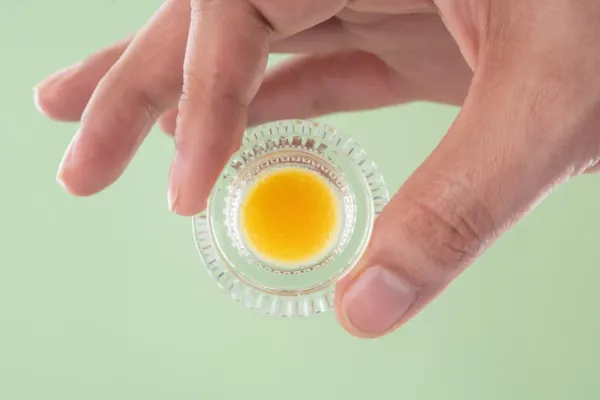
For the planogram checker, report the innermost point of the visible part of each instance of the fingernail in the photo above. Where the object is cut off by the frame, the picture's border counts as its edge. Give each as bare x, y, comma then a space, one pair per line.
377, 300
60, 175
64, 163
58, 75
172, 199
174, 181
173, 193
44, 88
54, 78
36, 100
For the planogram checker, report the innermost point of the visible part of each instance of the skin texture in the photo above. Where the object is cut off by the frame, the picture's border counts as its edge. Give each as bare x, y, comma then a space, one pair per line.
524, 72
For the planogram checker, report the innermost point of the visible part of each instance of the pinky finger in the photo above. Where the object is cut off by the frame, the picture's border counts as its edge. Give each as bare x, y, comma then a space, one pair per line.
64, 95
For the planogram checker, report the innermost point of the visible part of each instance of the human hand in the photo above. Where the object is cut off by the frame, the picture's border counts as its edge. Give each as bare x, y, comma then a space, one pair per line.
527, 124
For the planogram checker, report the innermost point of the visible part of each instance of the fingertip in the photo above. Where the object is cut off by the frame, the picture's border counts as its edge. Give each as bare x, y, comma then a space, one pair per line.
91, 163
75, 184
51, 100
185, 203
347, 325
375, 302
51, 103
187, 211
340, 290
72, 180
38, 101
185, 208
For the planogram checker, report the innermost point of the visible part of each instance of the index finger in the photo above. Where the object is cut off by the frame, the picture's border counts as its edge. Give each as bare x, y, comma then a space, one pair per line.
226, 57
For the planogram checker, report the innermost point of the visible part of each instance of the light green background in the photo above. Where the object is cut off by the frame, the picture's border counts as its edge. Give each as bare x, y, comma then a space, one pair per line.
105, 298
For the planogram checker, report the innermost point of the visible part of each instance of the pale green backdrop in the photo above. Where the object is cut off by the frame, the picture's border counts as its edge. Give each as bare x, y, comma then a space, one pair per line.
105, 298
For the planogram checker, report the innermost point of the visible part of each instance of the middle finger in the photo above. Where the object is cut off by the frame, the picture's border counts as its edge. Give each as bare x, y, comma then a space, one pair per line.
126, 103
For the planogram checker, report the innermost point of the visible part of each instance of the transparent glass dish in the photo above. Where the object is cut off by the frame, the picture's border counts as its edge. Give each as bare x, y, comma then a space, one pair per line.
259, 283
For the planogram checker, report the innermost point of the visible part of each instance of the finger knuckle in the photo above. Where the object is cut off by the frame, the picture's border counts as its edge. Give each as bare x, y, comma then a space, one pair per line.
197, 89
151, 107
231, 9
449, 225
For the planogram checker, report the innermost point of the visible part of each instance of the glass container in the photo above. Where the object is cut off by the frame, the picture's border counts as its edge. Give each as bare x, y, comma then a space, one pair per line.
298, 288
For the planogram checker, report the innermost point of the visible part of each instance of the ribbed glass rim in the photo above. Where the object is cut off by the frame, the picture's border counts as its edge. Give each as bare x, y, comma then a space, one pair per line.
256, 283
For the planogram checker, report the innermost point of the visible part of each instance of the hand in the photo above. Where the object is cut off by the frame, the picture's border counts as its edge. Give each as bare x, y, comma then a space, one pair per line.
528, 123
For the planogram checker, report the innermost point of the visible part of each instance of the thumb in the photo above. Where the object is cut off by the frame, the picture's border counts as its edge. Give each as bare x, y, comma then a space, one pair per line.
500, 157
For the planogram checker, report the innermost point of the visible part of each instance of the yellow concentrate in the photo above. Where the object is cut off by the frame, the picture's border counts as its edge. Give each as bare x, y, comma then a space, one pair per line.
290, 216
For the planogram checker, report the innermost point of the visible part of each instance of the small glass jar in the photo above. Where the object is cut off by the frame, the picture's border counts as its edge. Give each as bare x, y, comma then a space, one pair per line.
259, 283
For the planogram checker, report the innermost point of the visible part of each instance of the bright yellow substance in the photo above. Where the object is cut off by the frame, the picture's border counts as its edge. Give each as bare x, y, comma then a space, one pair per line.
290, 216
